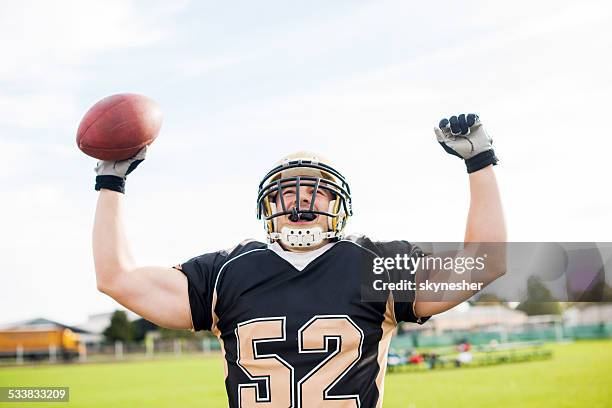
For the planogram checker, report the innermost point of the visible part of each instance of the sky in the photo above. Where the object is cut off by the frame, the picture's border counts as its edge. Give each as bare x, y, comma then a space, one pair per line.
245, 83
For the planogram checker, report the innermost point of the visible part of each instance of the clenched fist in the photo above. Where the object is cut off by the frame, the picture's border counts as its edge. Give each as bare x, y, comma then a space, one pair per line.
465, 137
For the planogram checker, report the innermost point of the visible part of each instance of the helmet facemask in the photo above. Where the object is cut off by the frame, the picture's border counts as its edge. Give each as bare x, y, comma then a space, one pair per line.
294, 174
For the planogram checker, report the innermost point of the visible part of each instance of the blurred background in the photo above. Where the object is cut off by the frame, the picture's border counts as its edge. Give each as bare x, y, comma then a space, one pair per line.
245, 83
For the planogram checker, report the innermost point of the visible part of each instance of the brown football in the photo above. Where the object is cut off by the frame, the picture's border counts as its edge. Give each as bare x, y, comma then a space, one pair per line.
118, 126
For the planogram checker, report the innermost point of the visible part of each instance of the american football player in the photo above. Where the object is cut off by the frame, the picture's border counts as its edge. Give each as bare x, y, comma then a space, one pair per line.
290, 313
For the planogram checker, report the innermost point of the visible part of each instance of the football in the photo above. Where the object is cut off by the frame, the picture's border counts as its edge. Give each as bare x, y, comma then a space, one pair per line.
118, 126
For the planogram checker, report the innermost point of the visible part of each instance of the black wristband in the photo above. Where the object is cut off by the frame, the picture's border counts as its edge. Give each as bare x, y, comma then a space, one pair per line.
114, 183
481, 160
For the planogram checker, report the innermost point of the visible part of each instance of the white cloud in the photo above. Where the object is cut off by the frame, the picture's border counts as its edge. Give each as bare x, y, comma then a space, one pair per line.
38, 110
49, 47
39, 34
12, 156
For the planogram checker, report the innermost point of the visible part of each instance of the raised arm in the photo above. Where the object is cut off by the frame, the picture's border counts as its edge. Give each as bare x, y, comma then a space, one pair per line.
464, 136
485, 222
159, 294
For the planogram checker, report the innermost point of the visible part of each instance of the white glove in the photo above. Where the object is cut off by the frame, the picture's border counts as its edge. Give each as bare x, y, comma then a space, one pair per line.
465, 137
111, 175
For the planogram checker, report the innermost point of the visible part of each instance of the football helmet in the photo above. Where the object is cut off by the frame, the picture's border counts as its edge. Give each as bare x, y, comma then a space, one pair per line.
303, 169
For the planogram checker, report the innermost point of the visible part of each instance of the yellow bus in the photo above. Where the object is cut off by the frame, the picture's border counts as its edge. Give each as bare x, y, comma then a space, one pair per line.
39, 343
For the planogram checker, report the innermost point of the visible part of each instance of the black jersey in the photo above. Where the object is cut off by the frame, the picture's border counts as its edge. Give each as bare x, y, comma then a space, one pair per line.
297, 338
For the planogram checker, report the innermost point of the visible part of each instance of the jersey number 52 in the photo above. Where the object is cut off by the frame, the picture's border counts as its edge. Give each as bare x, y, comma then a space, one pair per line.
313, 390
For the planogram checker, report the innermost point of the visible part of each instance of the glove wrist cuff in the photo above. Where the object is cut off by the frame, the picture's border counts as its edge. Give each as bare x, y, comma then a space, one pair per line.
113, 183
481, 160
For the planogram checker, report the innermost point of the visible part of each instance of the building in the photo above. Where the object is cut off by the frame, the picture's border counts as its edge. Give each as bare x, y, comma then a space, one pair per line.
41, 323
588, 314
482, 318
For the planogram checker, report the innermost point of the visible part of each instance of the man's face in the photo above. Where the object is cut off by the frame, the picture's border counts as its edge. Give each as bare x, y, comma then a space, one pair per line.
322, 199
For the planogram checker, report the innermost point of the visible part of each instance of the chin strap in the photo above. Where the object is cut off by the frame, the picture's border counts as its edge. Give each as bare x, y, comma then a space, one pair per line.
301, 237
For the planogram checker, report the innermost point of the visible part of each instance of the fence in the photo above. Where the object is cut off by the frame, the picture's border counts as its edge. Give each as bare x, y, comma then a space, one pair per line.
101, 352
151, 348
555, 333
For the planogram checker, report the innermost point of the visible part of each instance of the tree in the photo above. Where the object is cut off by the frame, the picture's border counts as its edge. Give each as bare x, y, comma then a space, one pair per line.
141, 328
488, 299
606, 296
539, 299
120, 328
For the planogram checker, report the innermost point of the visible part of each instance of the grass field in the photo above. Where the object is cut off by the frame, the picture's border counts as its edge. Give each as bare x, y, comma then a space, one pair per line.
578, 375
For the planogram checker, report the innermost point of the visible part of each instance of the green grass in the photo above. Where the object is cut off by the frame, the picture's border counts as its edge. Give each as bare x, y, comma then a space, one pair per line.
578, 375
